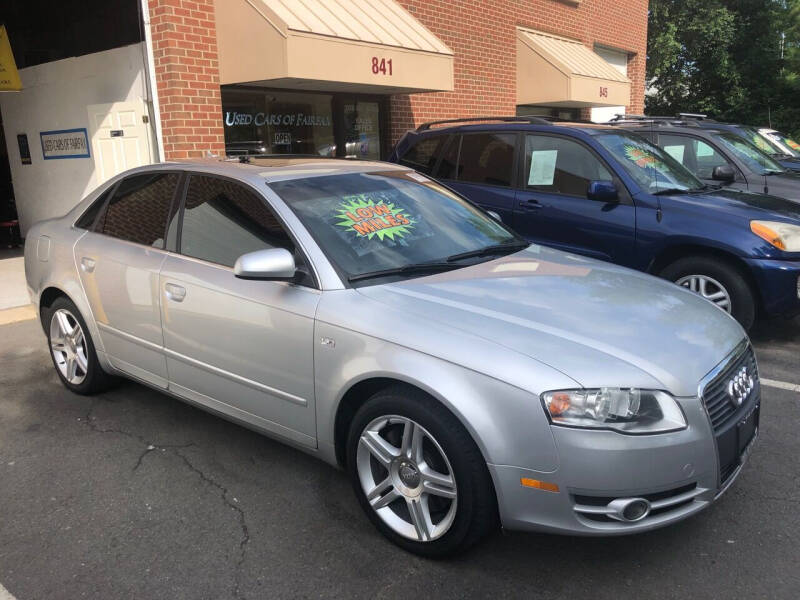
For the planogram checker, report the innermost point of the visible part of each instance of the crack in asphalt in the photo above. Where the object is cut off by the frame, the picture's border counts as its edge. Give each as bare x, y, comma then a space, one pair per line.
174, 449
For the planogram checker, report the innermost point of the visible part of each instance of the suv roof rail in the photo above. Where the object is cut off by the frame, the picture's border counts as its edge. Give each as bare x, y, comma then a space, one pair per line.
694, 116
534, 120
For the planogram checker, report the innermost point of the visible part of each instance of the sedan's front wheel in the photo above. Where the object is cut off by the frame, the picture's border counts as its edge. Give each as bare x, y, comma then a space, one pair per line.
418, 474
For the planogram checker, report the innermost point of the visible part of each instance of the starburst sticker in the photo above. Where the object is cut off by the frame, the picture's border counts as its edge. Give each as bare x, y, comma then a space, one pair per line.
640, 156
367, 218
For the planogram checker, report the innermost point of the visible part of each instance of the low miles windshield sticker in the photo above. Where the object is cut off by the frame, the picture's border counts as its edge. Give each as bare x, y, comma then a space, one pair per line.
367, 218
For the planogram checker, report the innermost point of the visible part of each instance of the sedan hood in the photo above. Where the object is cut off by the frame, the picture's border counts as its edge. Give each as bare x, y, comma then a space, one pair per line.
600, 324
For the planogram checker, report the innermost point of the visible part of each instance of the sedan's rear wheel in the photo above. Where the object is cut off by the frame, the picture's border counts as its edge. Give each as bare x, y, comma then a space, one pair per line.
418, 474
72, 349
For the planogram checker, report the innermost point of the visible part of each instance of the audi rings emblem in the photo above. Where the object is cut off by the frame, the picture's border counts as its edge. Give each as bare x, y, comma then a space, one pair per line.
740, 386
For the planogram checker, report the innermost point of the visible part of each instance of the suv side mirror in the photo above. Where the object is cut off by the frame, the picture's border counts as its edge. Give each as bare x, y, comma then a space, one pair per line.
724, 173
603, 191
273, 264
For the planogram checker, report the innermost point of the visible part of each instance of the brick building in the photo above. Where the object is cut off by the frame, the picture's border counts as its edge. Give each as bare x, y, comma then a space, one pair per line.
178, 79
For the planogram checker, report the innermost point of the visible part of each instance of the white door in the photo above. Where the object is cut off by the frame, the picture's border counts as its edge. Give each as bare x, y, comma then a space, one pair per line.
618, 60
120, 138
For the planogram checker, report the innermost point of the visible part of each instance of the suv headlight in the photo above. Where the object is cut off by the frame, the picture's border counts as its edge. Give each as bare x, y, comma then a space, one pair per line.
625, 410
783, 236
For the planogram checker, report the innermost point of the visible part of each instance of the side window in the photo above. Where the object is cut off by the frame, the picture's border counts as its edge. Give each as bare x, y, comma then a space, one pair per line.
449, 161
223, 220
139, 209
422, 156
693, 153
561, 166
487, 158
87, 219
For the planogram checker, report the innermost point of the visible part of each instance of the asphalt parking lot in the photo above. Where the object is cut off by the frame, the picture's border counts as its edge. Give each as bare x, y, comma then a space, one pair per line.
133, 494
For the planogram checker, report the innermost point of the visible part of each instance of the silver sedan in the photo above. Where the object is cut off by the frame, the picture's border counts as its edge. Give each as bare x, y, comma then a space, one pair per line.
361, 312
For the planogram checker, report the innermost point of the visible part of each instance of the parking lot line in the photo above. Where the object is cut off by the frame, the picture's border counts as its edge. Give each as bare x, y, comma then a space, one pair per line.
5, 594
782, 385
15, 315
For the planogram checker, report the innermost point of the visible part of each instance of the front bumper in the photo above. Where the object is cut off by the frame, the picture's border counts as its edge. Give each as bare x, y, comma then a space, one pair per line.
778, 282
678, 473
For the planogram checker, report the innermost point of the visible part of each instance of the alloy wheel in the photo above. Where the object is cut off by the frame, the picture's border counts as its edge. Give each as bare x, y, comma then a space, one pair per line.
709, 288
68, 345
407, 478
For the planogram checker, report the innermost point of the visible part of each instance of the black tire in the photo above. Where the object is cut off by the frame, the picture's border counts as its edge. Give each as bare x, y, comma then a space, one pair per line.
96, 379
743, 299
476, 508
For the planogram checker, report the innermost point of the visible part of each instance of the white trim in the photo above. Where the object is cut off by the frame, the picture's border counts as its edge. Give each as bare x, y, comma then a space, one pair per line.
151, 81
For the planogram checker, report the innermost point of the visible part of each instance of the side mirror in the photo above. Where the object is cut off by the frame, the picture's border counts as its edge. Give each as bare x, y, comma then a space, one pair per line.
724, 173
494, 215
274, 264
603, 191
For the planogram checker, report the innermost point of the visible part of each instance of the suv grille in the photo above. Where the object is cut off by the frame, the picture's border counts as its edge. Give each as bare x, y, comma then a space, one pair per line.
715, 394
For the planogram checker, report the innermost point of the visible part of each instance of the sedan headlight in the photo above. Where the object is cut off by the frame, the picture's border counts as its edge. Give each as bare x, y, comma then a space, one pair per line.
625, 410
783, 236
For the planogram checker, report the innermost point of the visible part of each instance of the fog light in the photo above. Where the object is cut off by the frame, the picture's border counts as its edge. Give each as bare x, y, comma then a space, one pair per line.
629, 509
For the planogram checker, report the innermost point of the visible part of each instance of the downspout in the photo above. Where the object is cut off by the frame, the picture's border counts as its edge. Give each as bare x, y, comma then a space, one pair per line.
151, 78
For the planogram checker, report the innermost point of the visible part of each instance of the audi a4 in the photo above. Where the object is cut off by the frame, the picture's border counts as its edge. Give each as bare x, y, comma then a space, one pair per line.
463, 378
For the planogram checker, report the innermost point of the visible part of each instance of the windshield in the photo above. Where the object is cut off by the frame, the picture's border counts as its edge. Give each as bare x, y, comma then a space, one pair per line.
367, 223
752, 135
755, 160
788, 145
649, 165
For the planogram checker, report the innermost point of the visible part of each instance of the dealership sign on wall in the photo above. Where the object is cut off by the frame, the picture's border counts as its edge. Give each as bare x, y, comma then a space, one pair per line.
9, 76
66, 143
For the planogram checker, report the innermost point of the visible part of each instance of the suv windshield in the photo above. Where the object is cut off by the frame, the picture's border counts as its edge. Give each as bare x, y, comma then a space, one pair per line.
651, 167
756, 139
788, 145
755, 160
393, 223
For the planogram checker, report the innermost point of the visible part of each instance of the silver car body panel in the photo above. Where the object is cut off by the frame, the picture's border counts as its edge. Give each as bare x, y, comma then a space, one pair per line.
484, 340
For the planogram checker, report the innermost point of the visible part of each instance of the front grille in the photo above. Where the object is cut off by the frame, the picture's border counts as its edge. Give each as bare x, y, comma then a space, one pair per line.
715, 394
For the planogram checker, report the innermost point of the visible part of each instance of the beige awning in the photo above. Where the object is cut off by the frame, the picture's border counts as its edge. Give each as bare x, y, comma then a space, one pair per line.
558, 71
371, 46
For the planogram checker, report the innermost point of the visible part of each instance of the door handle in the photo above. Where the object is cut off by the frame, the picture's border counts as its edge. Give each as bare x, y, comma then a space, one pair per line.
530, 204
87, 264
176, 293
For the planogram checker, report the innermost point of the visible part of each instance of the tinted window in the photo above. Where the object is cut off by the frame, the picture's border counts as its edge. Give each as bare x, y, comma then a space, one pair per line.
88, 218
561, 166
223, 220
139, 210
449, 161
694, 154
756, 161
487, 158
422, 156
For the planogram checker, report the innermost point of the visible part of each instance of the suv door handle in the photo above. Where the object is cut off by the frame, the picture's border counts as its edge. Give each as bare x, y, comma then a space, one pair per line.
176, 293
87, 264
530, 204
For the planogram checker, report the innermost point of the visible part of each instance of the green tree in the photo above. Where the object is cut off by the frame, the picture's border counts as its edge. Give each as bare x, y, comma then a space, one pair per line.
725, 58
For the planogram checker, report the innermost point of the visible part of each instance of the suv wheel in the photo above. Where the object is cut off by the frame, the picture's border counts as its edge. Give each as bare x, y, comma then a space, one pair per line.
72, 349
718, 282
418, 474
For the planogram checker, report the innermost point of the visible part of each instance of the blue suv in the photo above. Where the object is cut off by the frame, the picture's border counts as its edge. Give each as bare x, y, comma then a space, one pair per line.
608, 193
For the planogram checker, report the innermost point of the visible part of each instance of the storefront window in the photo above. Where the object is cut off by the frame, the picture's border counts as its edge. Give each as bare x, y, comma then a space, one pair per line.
362, 133
266, 122
260, 121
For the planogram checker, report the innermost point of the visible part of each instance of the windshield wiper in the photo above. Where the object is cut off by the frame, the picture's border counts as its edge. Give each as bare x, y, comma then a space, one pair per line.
673, 191
488, 250
430, 267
